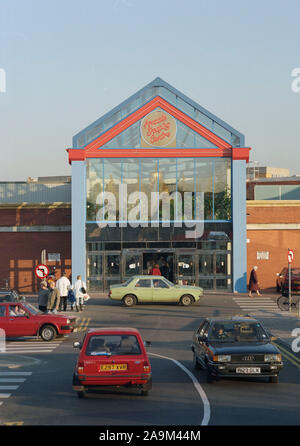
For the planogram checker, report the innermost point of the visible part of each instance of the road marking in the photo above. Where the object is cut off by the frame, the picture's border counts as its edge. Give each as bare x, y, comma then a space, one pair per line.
289, 356
31, 346
12, 380
253, 304
16, 373
83, 324
9, 387
14, 423
197, 385
5, 395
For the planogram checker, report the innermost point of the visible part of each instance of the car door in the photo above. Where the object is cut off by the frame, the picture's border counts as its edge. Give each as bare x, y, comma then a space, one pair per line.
201, 346
162, 292
143, 290
19, 323
4, 319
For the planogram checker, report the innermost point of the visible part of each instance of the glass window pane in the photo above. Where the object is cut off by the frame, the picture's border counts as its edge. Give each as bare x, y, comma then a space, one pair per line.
94, 186
204, 183
149, 184
222, 189
94, 265
167, 186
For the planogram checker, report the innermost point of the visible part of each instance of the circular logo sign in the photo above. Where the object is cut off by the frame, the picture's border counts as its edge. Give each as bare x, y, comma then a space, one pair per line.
41, 271
158, 129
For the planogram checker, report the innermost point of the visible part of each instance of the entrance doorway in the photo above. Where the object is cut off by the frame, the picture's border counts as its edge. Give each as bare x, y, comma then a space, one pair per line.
165, 262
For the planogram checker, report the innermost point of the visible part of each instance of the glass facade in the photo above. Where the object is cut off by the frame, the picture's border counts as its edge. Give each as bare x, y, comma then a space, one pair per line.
123, 242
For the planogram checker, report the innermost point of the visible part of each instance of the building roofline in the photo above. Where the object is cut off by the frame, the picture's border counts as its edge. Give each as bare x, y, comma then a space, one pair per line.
158, 82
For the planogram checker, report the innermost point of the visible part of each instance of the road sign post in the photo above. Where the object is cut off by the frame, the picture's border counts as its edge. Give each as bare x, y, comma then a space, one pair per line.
290, 259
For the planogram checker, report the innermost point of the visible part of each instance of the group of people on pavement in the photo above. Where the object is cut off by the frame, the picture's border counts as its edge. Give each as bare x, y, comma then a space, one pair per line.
54, 295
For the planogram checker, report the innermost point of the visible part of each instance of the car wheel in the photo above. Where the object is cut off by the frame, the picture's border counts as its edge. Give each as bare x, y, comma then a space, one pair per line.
186, 300
47, 333
283, 303
129, 300
196, 364
274, 379
209, 377
81, 394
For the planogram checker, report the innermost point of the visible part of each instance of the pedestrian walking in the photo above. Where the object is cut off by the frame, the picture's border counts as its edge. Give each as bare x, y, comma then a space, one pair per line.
43, 297
80, 292
253, 282
54, 298
63, 284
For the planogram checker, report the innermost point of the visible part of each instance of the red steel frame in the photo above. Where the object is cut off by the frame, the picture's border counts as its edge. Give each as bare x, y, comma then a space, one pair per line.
224, 149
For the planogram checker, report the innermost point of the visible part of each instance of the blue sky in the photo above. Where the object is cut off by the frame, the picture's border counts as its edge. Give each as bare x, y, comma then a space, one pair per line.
68, 62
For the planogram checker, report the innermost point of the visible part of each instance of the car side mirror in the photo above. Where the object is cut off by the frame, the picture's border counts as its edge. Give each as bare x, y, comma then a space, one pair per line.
201, 338
147, 344
77, 345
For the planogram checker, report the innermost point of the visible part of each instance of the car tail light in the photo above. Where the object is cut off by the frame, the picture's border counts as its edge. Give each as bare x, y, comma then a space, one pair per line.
80, 367
146, 367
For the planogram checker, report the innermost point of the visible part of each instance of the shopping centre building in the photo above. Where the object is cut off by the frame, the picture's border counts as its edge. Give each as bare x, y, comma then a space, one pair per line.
159, 179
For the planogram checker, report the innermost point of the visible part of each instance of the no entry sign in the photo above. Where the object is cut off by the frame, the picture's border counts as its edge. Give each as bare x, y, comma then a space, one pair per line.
290, 256
41, 271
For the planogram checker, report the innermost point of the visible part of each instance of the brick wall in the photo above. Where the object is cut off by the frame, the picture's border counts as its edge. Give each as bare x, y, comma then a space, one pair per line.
274, 241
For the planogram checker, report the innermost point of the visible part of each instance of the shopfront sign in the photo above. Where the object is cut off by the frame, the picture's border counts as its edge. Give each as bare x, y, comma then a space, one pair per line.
158, 129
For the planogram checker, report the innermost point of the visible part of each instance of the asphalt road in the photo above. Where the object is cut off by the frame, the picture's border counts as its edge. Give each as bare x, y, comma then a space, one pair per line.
180, 395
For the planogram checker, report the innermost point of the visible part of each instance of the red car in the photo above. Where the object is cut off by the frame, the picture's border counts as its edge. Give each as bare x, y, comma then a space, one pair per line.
112, 357
22, 319
282, 281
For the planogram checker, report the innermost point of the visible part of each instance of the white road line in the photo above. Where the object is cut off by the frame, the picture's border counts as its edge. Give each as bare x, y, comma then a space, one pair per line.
9, 387
197, 385
28, 351
16, 373
12, 380
5, 395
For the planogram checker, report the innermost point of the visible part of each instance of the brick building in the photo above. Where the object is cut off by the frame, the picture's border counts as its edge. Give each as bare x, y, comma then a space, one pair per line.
35, 227
273, 226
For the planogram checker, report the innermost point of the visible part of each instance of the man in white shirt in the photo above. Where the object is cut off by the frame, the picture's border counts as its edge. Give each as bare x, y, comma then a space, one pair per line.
63, 284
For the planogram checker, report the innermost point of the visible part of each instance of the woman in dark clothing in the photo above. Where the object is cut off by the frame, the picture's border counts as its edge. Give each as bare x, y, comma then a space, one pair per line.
43, 297
253, 282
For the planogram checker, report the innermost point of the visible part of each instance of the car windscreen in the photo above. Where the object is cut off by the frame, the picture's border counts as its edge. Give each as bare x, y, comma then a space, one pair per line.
127, 282
31, 308
107, 345
5, 298
168, 282
237, 332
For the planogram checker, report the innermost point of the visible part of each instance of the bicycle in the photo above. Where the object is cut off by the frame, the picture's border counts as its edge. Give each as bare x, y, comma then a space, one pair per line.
283, 303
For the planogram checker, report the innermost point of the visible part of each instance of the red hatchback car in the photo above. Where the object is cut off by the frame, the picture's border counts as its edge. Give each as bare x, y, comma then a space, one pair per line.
112, 357
22, 319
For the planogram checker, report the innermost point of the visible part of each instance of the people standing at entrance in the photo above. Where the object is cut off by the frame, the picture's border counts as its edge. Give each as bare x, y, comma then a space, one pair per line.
63, 284
43, 297
155, 271
80, 292
54, 298
165, 270
253, 282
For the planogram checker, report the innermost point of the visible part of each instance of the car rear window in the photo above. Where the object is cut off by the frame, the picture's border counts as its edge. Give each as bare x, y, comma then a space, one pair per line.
113, 345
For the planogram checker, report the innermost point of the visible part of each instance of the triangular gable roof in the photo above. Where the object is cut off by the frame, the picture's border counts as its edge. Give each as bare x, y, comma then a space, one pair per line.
158, 82
143, 111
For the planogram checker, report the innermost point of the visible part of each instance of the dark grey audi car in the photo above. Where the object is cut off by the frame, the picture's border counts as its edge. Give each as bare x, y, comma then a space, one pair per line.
235, 347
